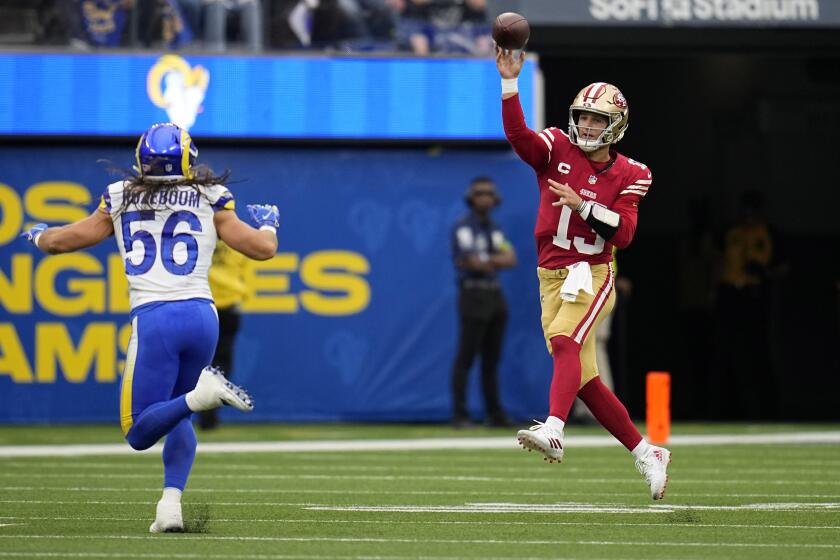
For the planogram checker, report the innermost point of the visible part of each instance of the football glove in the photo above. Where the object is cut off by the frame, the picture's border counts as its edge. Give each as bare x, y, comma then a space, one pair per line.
264, 215
32, 233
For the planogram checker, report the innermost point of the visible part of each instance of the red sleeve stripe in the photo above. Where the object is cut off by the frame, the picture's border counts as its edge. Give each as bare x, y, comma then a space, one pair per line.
546, 140
644, 181
549, 133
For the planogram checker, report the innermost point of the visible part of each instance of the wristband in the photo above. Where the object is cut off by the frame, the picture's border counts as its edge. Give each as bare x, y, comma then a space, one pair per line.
584, 208
266, 227
510, 85
36, 238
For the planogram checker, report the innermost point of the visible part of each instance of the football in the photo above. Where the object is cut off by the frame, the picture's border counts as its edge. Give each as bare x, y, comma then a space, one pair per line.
511, 31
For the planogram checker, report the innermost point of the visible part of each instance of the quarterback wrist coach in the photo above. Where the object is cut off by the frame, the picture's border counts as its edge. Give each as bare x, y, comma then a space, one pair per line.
600, 218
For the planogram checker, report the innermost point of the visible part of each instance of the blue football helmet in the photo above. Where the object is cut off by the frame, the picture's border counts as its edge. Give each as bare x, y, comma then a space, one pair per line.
166, 152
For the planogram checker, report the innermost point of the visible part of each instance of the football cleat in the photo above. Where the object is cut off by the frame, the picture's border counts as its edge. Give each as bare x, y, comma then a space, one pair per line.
654, 467
168, 518
213, 391
544, 439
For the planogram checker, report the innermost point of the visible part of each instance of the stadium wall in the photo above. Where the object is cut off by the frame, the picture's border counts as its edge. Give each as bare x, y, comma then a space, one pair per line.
354, 319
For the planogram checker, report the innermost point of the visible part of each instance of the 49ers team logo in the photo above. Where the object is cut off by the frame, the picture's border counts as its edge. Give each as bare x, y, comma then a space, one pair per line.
619, 101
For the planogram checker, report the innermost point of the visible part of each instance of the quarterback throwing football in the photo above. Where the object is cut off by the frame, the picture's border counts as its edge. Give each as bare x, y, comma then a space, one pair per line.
166, 220
589, 198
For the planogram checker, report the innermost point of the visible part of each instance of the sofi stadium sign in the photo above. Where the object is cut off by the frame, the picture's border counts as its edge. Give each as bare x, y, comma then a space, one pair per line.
706, 11
682, 13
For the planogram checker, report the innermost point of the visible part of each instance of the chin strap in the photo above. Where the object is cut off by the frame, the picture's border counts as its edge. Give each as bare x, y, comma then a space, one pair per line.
600, 218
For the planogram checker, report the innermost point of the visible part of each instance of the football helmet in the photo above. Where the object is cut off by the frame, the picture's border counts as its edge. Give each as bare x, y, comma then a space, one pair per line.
603, 99
166, 152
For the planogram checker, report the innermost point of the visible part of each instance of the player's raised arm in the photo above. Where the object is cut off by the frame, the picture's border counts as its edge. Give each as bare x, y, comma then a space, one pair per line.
530, 146
72, 237
259, 244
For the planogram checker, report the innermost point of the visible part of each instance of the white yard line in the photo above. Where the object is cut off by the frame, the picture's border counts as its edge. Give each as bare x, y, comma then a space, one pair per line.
437, 478
568, 507
577, 508
30, 554
71, 464
384, 540
716, 526
156, 489
507, 442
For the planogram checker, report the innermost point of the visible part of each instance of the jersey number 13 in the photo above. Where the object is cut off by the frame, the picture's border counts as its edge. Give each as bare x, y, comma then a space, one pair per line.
581, 246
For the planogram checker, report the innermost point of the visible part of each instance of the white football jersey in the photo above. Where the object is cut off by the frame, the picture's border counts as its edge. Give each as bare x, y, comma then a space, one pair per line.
166, 239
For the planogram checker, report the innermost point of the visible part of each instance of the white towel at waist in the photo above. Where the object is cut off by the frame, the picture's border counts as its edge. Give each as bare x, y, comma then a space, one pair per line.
579, 278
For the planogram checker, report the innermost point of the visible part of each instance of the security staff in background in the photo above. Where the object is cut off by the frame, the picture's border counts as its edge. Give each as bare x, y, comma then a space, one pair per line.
479, 249
228, 287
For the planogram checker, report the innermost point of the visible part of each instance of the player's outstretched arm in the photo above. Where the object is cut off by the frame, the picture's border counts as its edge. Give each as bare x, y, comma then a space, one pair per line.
534, 149
72, 237
509, 67
259, 244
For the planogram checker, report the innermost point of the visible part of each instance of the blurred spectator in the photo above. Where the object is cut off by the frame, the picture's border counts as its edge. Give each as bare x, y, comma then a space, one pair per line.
480, 249
743, 315
83, 24
217, 14
60, 23
328, 24
699, 263
442, 26
164, 23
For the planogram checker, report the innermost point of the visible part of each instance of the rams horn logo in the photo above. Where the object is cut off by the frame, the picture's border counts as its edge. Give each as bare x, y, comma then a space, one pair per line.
178, 88
619, 100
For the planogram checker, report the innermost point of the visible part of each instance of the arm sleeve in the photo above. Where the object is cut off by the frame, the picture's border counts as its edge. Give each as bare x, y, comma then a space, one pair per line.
534, 149
628, 210
627, 206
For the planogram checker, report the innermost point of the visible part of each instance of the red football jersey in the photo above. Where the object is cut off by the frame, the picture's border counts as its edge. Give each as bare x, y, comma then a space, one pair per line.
563, 238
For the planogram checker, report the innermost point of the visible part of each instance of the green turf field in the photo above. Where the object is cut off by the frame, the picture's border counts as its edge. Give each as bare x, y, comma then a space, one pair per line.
729, 501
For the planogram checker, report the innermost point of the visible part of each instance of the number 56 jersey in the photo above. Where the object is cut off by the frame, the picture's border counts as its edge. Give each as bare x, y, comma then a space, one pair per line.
166, 239
562, 236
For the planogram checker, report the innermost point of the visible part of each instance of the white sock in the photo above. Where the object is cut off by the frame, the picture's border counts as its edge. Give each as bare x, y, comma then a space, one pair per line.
171, 495
641, 450
190, 402
555, 423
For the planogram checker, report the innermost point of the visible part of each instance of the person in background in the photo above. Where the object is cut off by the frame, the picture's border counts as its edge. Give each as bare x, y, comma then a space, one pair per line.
228, 287
249, 13
744, 313
480, 249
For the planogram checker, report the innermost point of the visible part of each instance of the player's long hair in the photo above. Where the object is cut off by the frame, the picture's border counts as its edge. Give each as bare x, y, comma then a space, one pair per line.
139, 189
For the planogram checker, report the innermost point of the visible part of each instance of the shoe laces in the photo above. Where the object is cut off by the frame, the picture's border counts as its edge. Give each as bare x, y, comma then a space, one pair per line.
543, 426
646, 466
537, 425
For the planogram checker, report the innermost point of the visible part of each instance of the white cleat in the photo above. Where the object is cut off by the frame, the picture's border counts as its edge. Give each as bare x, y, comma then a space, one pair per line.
544, 439
168, 518
654, 467
213, 391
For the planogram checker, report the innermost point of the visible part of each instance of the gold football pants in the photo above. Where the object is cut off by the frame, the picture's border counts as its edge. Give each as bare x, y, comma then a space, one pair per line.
579, 319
